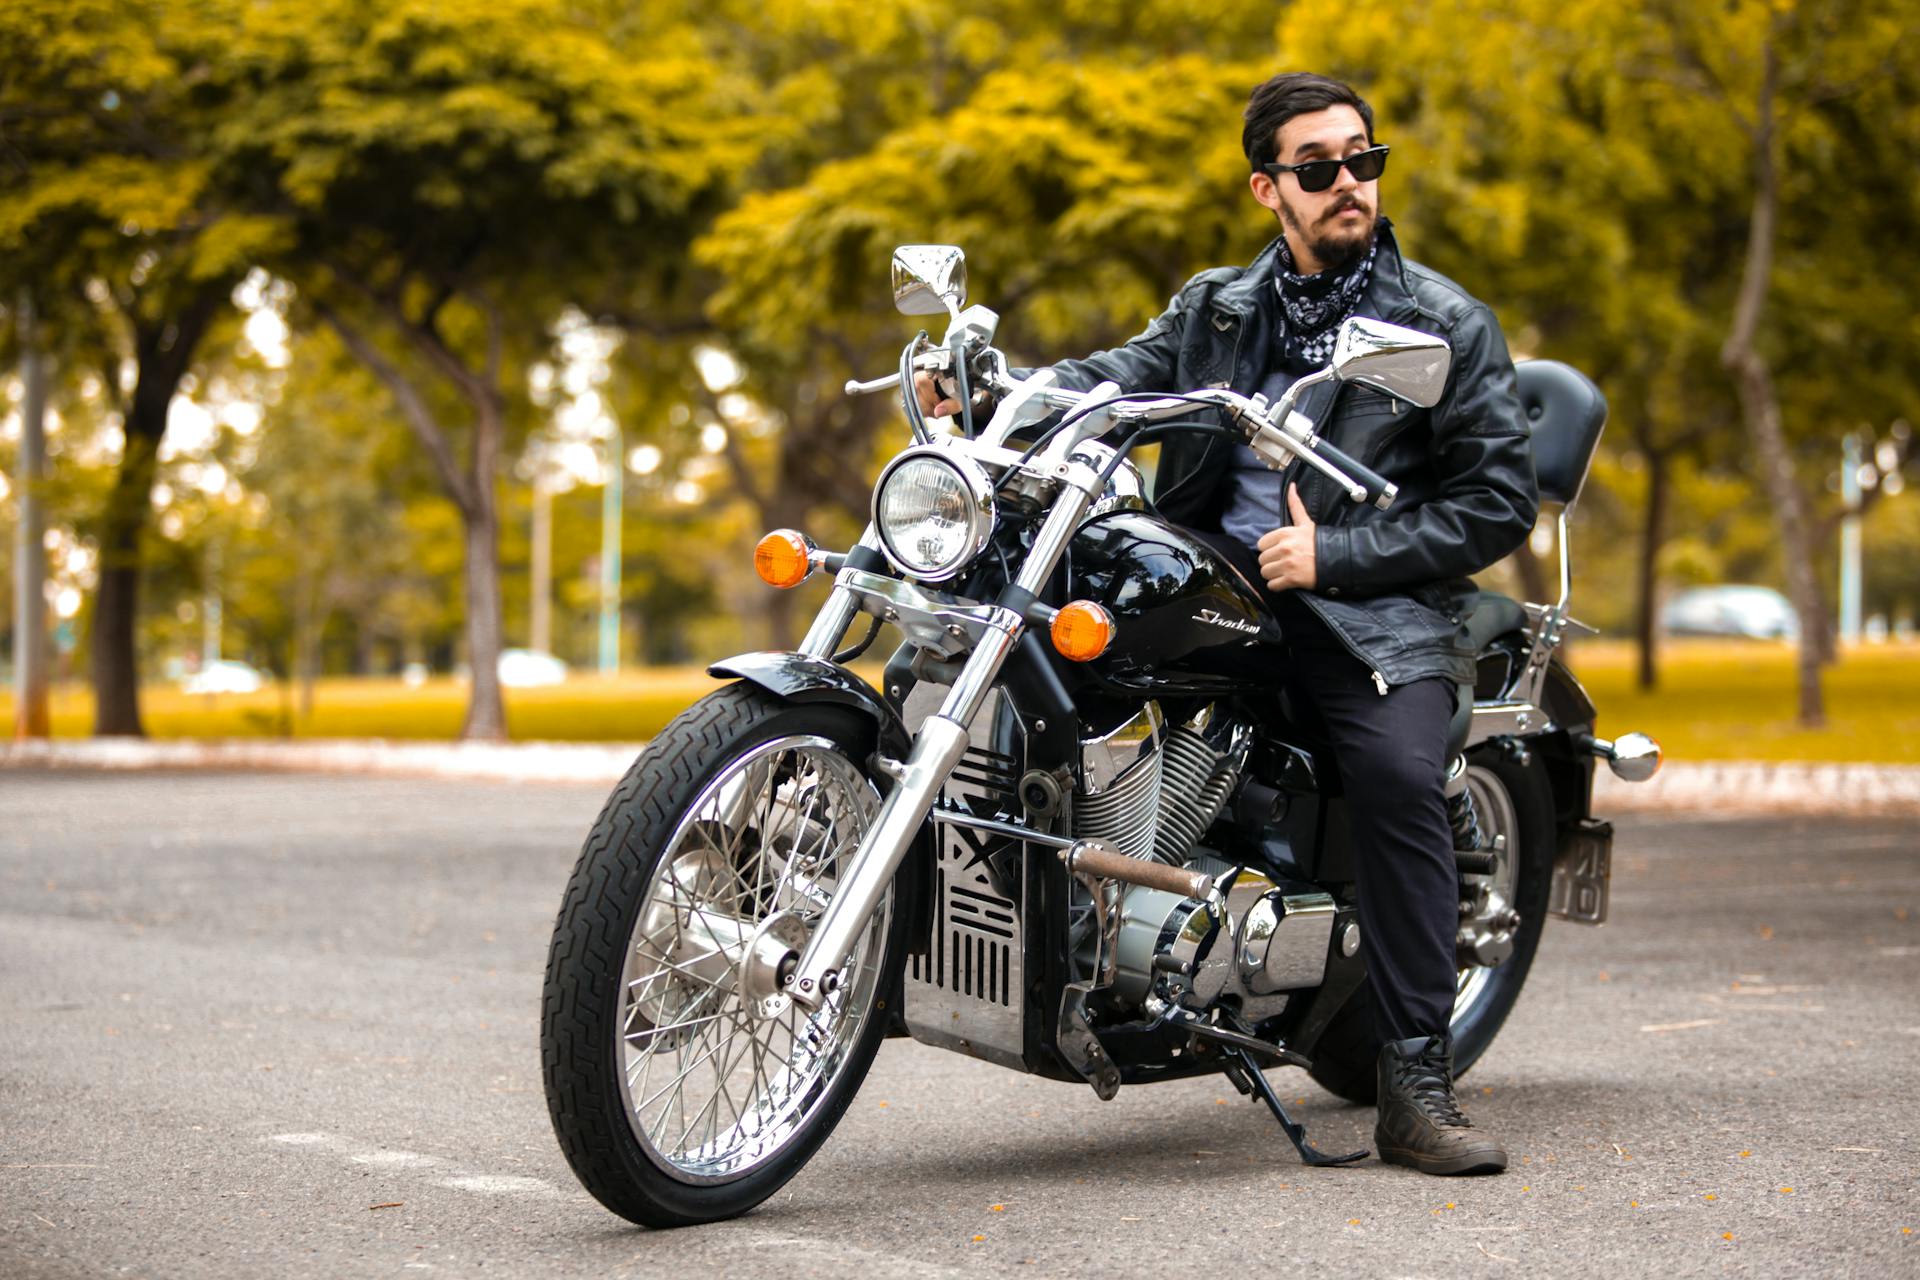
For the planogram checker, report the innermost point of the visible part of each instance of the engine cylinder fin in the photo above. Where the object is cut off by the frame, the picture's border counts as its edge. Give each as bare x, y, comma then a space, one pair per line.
1123, 816
1195, 783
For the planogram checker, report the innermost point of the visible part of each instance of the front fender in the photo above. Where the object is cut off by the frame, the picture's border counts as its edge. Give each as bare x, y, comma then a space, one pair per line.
799, 677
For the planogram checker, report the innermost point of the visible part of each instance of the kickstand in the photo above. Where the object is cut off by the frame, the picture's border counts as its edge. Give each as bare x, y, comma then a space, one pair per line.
1245, 1074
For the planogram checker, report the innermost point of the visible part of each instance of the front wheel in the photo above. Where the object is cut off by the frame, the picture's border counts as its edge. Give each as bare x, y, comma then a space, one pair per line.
680, 1092
1514, 803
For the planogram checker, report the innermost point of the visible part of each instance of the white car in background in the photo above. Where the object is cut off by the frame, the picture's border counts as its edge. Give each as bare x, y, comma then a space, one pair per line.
529, 668
225, 676
1755, 613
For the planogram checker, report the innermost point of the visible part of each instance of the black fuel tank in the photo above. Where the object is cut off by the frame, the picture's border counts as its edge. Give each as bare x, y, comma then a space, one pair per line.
1187, 622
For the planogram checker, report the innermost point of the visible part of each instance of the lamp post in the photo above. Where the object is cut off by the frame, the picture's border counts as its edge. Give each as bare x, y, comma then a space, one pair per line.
1869, 468
611, 506
542, 467
1850, 464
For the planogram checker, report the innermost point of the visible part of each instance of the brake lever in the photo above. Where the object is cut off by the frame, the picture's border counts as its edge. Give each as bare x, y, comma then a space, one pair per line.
936, 360
1276, 438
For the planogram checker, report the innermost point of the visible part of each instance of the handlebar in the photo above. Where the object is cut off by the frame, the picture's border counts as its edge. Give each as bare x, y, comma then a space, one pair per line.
1375, 487
1277, 442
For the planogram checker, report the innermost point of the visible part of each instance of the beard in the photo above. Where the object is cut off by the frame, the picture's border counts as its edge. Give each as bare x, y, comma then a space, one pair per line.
1334, 247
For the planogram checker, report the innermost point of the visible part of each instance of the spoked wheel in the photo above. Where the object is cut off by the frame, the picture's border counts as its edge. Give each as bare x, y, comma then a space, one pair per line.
1514, 804
683, 1086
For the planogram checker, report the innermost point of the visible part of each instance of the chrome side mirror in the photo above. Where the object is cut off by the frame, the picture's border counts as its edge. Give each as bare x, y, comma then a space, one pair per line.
929, 279
1402, 362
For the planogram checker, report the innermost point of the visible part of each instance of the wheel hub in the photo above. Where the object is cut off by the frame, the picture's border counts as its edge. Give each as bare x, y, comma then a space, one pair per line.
767, 957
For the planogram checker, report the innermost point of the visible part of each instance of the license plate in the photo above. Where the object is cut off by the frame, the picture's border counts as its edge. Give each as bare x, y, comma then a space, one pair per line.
1581, 872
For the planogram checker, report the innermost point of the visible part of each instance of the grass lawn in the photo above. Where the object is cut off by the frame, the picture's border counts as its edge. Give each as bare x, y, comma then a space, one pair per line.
1725, 700
1716, 701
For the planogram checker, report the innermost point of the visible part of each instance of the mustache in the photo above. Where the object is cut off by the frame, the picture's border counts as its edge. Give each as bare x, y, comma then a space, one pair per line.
1349, 203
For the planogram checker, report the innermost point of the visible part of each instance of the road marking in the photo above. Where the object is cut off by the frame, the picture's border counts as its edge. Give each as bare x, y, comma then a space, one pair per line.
818, 1250
395, 1159
500, 1184
361, 1153
1684, 1026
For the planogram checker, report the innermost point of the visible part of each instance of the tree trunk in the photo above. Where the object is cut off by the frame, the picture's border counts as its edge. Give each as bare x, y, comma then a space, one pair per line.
116, 604
1761, 410
162, 352
486, 711
471, 489
1652, 535
30, 649
1760, 407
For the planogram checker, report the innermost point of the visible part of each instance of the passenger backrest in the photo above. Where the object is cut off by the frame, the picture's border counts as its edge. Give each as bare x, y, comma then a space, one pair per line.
1566, 413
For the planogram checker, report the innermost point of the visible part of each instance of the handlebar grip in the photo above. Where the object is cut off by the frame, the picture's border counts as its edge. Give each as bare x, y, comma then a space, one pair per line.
1380, 491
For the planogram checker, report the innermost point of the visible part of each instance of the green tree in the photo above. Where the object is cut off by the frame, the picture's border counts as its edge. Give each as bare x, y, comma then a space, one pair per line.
1609, 178
1084, 196
450, 179
109, 214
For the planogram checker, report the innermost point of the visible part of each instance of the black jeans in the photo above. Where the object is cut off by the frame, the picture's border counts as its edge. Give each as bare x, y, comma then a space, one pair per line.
1392, 751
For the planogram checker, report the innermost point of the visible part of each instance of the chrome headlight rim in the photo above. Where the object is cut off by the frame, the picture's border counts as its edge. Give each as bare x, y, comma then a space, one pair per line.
981, 508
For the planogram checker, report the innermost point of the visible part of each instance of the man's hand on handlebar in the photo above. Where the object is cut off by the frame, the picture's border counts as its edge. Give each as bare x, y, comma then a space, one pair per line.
932, 402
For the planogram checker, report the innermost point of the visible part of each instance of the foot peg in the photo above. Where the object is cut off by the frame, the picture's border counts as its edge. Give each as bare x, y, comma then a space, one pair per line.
1475, 862
1245, 1074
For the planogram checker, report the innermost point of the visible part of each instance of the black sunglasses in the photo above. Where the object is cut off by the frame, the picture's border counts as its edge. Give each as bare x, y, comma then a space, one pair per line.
1318, 175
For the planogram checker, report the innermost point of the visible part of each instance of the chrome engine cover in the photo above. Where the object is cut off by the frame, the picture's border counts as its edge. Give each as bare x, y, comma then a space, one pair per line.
1272, 939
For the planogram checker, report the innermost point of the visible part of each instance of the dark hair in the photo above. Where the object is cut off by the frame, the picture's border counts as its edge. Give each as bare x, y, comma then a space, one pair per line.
1290, 94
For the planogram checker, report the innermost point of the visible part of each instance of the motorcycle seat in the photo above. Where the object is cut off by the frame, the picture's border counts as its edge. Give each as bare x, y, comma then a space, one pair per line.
1488, 615
1565, 412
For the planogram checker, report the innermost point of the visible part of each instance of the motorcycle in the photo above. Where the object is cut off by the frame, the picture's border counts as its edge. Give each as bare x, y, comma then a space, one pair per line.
1077, 831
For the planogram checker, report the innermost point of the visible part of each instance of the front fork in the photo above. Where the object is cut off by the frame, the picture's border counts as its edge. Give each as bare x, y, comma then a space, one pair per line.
937, 748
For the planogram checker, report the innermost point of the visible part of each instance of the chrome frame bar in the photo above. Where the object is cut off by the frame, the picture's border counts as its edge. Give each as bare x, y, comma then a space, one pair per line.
995, 827
1549, 626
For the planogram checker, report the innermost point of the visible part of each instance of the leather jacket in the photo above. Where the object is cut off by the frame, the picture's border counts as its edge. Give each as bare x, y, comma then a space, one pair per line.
1390, 584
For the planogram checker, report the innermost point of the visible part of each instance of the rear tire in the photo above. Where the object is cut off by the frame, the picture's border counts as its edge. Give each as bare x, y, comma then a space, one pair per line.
674, 1101
1344, 1057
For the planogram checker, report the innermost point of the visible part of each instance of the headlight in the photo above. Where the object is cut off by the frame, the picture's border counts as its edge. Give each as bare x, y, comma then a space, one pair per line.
934, 513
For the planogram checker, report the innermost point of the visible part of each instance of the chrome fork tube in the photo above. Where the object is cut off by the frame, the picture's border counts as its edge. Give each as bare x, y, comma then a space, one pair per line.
830, 624
941, 742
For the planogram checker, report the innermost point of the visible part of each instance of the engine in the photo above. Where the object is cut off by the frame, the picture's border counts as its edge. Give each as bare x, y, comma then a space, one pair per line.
1148, 790
1151, 790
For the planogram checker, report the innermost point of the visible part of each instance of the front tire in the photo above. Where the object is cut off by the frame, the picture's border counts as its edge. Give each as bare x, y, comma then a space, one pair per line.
676, 1098
1512, 799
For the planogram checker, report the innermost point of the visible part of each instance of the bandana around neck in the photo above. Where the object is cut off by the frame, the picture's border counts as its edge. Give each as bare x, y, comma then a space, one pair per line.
1315, 305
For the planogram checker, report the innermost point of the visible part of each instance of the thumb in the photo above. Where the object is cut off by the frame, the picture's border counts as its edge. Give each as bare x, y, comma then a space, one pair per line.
1297, 507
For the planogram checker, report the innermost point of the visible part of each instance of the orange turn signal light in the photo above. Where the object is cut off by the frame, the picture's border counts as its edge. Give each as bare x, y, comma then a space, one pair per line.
1082, 631
784, 558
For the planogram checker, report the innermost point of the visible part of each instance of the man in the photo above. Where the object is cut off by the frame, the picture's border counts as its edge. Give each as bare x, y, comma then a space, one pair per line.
1366, 598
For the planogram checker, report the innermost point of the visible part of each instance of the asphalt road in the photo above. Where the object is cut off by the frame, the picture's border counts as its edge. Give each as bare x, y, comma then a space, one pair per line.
287, 1026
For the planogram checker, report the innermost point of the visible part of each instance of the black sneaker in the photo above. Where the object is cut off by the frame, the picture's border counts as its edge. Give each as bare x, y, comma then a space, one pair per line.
1421, 1126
